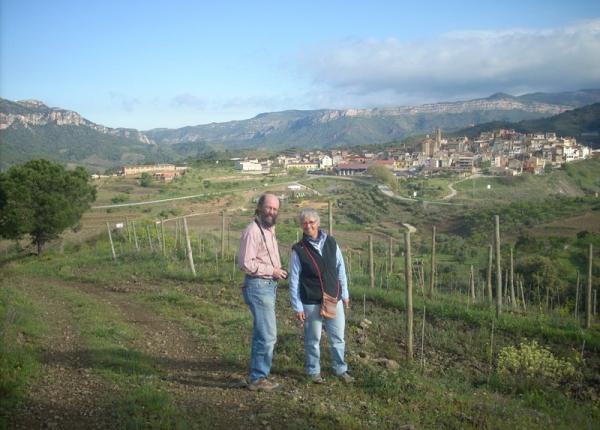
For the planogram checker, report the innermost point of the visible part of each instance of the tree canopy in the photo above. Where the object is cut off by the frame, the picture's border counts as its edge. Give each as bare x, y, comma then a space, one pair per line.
383, 174
42, 199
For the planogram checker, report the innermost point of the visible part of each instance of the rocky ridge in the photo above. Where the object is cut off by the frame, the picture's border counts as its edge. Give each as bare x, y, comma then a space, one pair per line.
40, 115
389, 122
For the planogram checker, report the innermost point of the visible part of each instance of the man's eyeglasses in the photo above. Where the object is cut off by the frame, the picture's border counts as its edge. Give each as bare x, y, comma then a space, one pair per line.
306, 223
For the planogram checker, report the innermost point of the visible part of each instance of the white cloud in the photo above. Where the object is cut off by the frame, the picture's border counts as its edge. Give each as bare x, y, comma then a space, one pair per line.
188, 100
456, 65
128, 104
262, 103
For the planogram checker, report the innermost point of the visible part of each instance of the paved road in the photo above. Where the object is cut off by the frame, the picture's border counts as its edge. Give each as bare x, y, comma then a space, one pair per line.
383, 188
388, 192
451, 185
151, 202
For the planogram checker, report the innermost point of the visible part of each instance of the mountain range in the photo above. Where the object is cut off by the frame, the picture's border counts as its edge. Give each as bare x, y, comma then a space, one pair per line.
582, 123
30, 129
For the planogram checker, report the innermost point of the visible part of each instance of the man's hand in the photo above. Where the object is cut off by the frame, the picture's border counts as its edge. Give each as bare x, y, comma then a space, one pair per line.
346, 303
300, 315
279, 273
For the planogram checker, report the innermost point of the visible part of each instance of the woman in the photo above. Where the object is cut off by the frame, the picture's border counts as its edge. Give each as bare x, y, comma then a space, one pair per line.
317, 266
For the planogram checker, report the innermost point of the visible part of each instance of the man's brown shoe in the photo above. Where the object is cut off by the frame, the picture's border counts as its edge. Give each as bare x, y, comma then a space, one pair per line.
263, 385
346, 378
317, 378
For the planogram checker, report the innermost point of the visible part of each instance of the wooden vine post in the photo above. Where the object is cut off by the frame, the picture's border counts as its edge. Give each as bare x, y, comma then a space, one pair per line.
188, 245
162, 233
588, 307
158, 239
577, 297
137, 245
223, 235
513, 299
149, 238
371, 263
391, 251
489, 275
112, 246
498, 267
409, 304
472, 285
432, 277
330, 218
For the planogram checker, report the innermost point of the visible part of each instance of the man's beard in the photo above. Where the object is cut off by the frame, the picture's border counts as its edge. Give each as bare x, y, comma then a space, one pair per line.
266, 220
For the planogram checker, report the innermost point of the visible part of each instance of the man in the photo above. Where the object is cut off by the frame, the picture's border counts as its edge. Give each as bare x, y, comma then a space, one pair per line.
259, 260
317, 268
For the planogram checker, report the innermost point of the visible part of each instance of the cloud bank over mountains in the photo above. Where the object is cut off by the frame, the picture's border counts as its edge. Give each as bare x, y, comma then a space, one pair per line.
458, 65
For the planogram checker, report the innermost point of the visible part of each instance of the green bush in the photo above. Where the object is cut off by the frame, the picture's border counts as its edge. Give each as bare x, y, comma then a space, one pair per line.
119, 198
146, 180
532, 361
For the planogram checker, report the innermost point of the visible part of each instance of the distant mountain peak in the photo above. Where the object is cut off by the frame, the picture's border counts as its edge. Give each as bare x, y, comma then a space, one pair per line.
32, 103
500, 96
34, 113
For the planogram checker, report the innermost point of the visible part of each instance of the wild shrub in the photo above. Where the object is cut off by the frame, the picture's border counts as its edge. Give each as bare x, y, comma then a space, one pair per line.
119, 198
533, 362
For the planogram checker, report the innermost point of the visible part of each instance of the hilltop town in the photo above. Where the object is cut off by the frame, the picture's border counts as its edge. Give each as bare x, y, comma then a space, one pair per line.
501, 152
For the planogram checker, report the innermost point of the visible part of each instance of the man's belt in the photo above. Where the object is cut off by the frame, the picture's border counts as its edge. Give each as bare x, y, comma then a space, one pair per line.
266, 278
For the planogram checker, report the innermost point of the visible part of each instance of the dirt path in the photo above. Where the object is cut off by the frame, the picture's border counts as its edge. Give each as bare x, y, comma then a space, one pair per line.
69, 394
453, 191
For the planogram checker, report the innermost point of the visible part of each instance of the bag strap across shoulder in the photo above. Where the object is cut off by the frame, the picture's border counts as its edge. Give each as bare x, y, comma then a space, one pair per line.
314, 262
265, 241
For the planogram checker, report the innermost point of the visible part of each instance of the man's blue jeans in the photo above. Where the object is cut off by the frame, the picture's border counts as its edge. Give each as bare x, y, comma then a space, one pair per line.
259, 295
335, 337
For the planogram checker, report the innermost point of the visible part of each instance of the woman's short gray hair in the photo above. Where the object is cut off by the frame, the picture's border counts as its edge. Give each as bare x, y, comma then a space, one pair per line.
308, 213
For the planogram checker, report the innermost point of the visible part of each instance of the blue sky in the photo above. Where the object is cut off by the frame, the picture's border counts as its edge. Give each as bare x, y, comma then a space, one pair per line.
149, 64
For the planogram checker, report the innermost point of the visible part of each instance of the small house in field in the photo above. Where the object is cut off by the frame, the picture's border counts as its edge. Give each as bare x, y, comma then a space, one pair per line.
166, 176
249, 166
153, 168
309, 165
350, 169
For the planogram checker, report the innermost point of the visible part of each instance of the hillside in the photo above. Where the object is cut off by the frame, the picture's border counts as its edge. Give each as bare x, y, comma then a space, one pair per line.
89, 341
30, 129
331, 128
572, 98
582, 123
76, 145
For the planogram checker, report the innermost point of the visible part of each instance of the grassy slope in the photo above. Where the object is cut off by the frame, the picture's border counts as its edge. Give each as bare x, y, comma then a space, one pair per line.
454, 386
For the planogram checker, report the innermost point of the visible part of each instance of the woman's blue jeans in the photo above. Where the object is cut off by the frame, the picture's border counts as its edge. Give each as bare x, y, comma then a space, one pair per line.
260, 295
335, 337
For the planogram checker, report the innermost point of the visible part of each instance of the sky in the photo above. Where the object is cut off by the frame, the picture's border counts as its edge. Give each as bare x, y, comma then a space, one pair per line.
152, 64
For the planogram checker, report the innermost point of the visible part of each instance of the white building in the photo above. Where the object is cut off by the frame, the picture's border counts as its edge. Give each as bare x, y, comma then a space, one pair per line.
325, 162
248, 166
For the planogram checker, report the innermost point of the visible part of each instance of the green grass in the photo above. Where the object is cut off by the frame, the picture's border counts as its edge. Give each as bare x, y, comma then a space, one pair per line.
585, 174
149, 407
453, 384
517, 188
455, 387
21, 330
142, 402
207, 181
